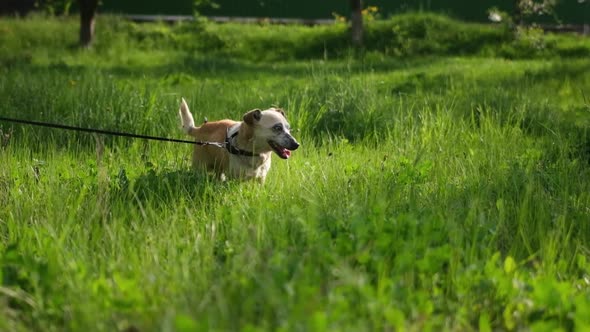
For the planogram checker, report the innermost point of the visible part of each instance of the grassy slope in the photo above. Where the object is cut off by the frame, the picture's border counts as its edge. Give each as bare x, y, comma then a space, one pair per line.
437, 192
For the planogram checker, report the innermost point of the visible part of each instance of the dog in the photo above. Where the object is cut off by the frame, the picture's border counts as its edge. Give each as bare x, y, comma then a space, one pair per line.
246, 146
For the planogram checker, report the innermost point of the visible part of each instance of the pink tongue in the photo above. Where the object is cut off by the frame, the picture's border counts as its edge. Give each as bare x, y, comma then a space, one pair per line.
286, 153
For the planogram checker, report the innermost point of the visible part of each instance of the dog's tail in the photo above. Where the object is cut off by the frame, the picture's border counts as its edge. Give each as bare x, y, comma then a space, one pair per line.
186, 118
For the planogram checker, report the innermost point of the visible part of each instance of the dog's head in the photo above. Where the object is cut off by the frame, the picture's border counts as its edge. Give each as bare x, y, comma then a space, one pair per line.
270, 129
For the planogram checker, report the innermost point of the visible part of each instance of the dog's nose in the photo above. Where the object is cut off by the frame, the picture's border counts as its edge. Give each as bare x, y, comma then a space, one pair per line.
294, 145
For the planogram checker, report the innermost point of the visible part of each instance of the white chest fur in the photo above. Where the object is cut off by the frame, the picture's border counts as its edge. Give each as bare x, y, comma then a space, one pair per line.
249, 167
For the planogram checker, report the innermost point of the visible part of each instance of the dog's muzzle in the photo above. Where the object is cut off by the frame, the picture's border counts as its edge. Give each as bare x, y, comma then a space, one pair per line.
284, 151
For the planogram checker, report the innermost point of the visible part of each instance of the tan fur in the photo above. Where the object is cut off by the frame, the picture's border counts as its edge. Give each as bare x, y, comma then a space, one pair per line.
254, 134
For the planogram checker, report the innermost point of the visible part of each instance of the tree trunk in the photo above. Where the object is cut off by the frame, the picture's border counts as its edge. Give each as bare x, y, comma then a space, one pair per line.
87, 15
356, 19
517, 14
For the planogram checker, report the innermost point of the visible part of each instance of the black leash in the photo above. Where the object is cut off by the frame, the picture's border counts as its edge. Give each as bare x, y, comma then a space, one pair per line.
108, 132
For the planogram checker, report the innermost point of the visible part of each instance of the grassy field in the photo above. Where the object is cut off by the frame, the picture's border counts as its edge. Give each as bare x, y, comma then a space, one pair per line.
436, 188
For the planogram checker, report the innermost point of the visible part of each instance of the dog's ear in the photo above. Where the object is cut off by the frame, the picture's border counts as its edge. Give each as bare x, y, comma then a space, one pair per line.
253, 116
280, 111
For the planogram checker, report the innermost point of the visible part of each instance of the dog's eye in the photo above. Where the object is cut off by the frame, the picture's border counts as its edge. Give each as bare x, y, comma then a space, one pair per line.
278, 127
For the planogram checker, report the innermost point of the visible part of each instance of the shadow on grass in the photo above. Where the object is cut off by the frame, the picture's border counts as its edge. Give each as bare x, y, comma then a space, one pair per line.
205, 67
165, 187
188, 68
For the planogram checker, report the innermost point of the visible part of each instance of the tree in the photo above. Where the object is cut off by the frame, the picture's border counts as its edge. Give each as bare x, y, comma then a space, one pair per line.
530, 8
517, 13
356, 19
87, 17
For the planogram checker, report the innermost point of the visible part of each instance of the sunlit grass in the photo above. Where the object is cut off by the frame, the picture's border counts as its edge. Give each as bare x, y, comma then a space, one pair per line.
432, 193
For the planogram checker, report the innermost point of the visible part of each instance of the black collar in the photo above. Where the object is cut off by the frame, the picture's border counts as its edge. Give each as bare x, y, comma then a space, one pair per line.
235, 150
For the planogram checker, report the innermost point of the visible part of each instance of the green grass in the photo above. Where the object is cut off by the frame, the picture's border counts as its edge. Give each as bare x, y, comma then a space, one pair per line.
442, 192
